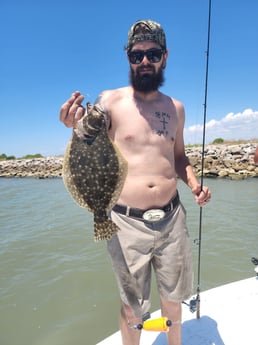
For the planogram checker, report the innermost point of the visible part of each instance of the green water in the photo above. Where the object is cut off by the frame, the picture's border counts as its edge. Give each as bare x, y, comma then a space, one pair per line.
56, 284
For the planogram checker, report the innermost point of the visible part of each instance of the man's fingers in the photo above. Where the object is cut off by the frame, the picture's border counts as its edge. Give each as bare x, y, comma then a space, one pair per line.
204, 196
79, 114
78, 99
72, 110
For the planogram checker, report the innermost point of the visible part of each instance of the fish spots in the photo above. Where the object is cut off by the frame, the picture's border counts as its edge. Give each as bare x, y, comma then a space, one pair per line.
94, 175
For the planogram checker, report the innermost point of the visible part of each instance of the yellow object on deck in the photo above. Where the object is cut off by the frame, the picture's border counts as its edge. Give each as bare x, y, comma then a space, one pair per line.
158, 325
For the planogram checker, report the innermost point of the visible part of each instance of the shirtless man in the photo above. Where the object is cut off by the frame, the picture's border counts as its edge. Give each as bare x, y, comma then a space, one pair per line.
147, 126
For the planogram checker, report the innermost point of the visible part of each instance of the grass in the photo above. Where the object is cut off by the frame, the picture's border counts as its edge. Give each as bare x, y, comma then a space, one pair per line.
227, 142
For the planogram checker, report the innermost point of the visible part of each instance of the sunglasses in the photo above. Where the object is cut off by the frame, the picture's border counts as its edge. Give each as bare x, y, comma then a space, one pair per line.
153, 55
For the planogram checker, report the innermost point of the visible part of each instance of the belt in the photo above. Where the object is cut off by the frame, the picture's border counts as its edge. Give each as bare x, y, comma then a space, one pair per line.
154, 214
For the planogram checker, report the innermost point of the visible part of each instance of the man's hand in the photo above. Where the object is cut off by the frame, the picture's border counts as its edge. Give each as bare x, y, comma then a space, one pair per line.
202, 195
72, 110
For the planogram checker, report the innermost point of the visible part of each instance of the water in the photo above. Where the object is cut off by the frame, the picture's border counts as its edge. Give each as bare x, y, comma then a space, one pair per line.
57, 286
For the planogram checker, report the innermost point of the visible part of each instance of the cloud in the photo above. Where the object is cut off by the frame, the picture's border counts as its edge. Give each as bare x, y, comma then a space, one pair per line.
231, 127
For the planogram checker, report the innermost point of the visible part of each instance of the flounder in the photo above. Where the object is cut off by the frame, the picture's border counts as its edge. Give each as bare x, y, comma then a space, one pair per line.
94, 172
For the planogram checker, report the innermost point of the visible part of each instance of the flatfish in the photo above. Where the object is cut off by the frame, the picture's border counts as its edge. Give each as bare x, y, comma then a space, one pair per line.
94, 172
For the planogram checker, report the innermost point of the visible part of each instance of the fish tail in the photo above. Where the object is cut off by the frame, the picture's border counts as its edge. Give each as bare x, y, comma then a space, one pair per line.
104, 230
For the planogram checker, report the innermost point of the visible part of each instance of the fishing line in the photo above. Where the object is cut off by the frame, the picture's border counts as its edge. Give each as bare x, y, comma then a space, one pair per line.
198, 289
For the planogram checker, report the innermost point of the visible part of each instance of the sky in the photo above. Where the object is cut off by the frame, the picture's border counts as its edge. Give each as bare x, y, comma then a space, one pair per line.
51, 48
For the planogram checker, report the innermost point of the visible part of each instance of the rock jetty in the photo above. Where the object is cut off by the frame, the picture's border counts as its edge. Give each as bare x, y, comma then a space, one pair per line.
220, 161
46, 167
224, 161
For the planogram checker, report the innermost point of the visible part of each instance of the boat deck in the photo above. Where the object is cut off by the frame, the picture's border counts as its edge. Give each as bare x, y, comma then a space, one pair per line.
228, 316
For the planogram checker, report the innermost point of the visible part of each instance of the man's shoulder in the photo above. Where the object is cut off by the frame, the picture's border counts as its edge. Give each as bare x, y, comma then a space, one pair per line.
116, 93
111, 98
176, 102
170, 99
175, 105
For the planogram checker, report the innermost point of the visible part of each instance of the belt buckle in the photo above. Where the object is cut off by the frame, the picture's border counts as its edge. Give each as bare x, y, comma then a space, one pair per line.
153, 215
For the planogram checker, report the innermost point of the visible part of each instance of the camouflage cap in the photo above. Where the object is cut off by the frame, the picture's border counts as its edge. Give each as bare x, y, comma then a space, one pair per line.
146, 30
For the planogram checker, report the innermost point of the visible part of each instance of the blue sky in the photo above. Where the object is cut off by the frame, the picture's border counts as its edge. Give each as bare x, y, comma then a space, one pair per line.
51, 48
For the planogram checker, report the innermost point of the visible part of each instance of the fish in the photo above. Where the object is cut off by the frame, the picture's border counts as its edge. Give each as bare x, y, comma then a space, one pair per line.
94, 172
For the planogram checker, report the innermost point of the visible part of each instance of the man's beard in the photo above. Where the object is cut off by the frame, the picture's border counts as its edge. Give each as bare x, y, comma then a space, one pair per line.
146, 82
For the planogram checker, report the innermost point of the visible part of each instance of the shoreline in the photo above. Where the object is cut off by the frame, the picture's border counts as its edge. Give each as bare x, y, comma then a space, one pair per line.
234, 161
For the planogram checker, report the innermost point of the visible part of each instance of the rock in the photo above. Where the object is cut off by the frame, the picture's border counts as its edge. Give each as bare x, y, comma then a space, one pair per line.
220, 161
223, 173
235, 149
36, 167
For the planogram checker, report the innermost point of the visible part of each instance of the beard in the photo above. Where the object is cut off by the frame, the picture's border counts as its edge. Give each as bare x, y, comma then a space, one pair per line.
146, 82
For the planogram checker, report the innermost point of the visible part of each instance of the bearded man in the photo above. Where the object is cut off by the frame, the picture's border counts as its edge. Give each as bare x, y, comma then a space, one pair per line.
147, 126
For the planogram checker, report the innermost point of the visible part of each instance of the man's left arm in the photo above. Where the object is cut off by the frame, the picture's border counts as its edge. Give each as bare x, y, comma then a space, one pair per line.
183, 167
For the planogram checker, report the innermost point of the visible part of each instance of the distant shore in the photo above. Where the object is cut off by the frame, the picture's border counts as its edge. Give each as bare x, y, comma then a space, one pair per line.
221, 161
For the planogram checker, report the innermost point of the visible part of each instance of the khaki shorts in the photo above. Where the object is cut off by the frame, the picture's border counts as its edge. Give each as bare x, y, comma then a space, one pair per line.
164, 245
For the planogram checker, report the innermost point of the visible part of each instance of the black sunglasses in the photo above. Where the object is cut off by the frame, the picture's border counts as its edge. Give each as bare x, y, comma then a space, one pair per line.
153, 55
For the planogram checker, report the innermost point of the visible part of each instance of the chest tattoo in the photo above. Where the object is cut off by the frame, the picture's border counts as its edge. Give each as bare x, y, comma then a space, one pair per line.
164, 120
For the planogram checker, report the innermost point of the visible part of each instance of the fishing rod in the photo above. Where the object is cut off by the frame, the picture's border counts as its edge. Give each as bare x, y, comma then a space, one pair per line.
198, 289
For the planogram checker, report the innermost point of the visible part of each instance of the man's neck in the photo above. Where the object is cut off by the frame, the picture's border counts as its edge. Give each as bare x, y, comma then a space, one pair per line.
146, 96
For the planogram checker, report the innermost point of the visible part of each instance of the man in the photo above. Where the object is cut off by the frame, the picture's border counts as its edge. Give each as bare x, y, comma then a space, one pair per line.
147, 126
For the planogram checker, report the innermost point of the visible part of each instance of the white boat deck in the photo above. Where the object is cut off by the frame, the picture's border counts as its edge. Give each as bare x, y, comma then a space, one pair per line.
228, 316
